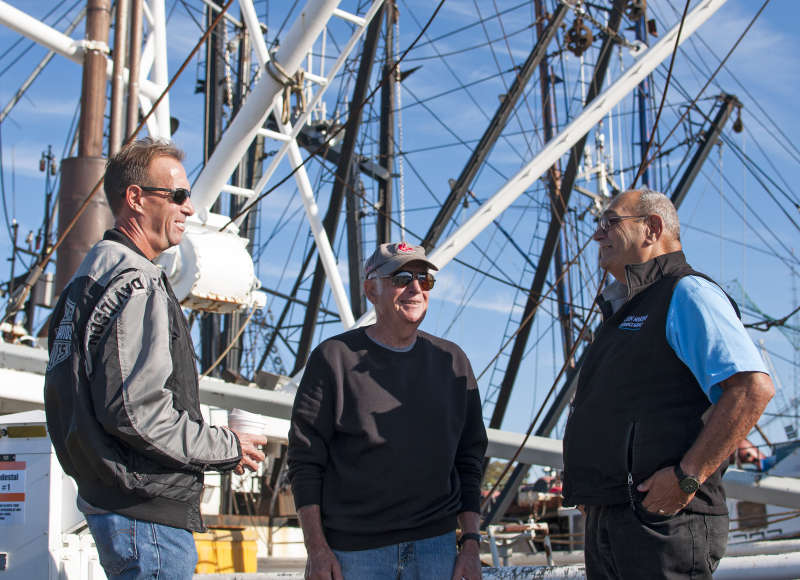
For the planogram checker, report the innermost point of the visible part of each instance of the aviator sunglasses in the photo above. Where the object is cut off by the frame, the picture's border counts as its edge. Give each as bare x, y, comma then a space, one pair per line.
177, 195
403, 279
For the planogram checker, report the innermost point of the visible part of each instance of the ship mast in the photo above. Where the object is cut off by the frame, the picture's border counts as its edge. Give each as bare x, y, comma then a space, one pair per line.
80, 174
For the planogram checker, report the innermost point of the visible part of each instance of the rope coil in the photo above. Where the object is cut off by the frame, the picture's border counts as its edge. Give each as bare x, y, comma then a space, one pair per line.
292, 85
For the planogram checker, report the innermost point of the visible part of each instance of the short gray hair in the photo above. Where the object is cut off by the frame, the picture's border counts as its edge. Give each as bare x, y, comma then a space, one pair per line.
656, 203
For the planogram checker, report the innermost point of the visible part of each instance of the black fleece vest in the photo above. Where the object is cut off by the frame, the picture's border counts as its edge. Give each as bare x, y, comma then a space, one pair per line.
637, 407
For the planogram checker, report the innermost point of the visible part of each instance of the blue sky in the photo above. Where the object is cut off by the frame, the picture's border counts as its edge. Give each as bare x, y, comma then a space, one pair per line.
438, 136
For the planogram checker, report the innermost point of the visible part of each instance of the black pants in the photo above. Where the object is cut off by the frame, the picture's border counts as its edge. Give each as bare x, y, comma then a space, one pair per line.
623, 542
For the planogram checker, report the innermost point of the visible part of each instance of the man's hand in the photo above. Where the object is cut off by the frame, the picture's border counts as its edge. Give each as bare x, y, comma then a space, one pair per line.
664, 495
322, 565
744, 397
251, 454
468, 562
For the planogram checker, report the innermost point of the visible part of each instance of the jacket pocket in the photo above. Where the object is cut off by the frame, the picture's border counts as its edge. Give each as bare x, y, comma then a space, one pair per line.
648, 517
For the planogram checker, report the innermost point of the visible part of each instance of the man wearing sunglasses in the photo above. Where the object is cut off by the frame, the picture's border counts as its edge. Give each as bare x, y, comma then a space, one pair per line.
387, 440
121, 389
668, 388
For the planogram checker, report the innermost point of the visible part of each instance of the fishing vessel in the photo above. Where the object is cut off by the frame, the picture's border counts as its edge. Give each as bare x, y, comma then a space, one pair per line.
492, 133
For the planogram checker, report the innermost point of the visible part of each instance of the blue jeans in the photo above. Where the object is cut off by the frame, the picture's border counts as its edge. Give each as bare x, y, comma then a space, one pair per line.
132, 549
428, 559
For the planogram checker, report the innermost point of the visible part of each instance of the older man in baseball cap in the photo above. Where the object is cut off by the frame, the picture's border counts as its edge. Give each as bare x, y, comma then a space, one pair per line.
387, 440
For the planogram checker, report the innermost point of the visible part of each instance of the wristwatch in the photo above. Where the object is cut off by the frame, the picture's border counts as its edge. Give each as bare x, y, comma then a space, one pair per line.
688, 483
468, 536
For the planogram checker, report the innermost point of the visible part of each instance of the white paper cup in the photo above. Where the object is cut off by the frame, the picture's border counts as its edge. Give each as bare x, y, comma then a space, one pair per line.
246, 422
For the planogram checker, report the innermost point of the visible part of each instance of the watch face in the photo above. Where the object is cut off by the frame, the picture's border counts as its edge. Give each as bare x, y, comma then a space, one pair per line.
689, 484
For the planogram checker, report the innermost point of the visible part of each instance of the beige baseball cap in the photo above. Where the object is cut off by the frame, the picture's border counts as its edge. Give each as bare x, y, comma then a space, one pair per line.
389, 258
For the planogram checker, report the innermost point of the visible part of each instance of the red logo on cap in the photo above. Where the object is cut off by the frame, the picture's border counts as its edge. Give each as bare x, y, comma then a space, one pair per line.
405, 248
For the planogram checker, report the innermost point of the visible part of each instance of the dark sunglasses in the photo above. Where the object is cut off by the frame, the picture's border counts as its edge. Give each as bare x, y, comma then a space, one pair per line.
403, 279
606, 222
177, 195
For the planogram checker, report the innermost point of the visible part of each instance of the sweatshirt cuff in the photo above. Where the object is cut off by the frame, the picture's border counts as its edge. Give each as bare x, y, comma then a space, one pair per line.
471, 503
306, 495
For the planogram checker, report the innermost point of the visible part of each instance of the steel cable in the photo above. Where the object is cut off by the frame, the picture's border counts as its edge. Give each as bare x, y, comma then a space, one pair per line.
16, 302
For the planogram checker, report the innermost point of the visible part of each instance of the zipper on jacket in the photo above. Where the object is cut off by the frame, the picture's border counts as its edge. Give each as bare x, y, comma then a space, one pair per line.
631, 435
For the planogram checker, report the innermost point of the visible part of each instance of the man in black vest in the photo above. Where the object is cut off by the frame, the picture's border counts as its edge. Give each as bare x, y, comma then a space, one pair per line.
668, 388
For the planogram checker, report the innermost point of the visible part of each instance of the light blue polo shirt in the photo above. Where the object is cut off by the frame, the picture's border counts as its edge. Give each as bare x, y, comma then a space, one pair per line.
705, 333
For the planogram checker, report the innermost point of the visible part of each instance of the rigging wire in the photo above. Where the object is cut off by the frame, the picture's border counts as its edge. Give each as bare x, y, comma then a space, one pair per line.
190, 12
500, 69
469, 142
730, 240
233, 342
754, 171
15, 303
523, 94
470, 289
403, 229
779, 356
789, 143
508, 282
3, 192
15, 61
495, 222
284, 23
767, 158
455, 135
468, 265
335, 133
509, 237
645, 163
737, 150
448, 129
757, 217
489, 42
472, 98
462, 87
767, 323
561, 372
398, 97
33, 43
711, 78
530, 316
455, 31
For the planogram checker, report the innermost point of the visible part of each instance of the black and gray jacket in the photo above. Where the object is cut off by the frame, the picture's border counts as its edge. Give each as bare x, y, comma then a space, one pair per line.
121, 391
